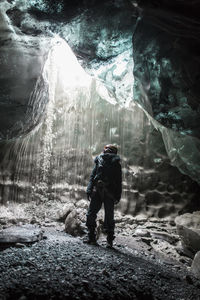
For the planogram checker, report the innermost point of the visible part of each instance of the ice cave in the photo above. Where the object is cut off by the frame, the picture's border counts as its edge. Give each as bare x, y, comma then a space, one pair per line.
75, 76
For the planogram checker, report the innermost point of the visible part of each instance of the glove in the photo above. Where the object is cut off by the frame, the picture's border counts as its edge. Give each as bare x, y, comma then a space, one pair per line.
89, 196
116, 201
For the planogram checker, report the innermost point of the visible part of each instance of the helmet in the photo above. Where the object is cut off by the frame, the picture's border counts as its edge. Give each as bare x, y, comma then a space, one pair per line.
110, 149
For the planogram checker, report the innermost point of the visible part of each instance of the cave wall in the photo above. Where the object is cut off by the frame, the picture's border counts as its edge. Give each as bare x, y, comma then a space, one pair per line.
112, 41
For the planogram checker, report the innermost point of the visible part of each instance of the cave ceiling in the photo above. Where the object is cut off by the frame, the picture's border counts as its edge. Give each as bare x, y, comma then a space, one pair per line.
165, 40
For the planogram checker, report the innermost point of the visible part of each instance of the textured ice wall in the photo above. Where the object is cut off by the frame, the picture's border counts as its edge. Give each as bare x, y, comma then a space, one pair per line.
22, 59
54, 161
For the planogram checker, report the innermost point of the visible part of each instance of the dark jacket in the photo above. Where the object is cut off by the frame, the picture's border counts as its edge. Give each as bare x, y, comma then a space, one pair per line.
108, 169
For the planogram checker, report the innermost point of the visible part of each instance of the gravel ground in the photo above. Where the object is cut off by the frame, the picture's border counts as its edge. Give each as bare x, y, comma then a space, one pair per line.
62, 267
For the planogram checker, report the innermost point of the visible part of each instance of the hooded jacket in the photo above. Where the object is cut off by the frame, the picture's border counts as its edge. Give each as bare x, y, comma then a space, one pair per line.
108, 169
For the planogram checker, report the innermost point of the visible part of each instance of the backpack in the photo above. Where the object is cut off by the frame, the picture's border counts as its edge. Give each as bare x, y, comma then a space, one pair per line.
105, 168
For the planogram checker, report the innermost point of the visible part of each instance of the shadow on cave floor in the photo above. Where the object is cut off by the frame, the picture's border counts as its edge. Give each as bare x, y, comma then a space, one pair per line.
62, 267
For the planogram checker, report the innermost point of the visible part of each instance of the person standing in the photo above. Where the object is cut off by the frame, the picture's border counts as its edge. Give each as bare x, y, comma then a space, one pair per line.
105, 187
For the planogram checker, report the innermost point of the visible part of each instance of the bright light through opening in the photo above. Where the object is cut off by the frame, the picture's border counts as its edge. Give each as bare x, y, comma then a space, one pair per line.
70, 73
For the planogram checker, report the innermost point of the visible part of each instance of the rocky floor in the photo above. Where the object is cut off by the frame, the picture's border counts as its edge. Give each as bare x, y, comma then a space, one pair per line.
62, 267
147, 261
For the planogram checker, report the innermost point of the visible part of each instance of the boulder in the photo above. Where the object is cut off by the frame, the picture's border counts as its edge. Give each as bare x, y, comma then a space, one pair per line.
141, 232
196, 265
65, 211
188, 228
20, 234
73, 224
82, 204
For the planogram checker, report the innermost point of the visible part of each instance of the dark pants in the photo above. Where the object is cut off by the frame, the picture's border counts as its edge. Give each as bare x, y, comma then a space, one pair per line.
100, 196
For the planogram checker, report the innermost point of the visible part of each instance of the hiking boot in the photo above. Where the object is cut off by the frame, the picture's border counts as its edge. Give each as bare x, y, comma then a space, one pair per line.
90, 240
109, 243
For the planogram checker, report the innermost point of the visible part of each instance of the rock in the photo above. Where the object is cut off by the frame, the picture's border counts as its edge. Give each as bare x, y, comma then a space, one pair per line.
184, 251
73, 224
188, 279
34, 220
141, 232
3, 221
162, 246
82, 204
140, 218
188, 228
185, 260
146, 240
20, 234
164, 236
196, 265
23, 298
65, 211
19, 245
105, 272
